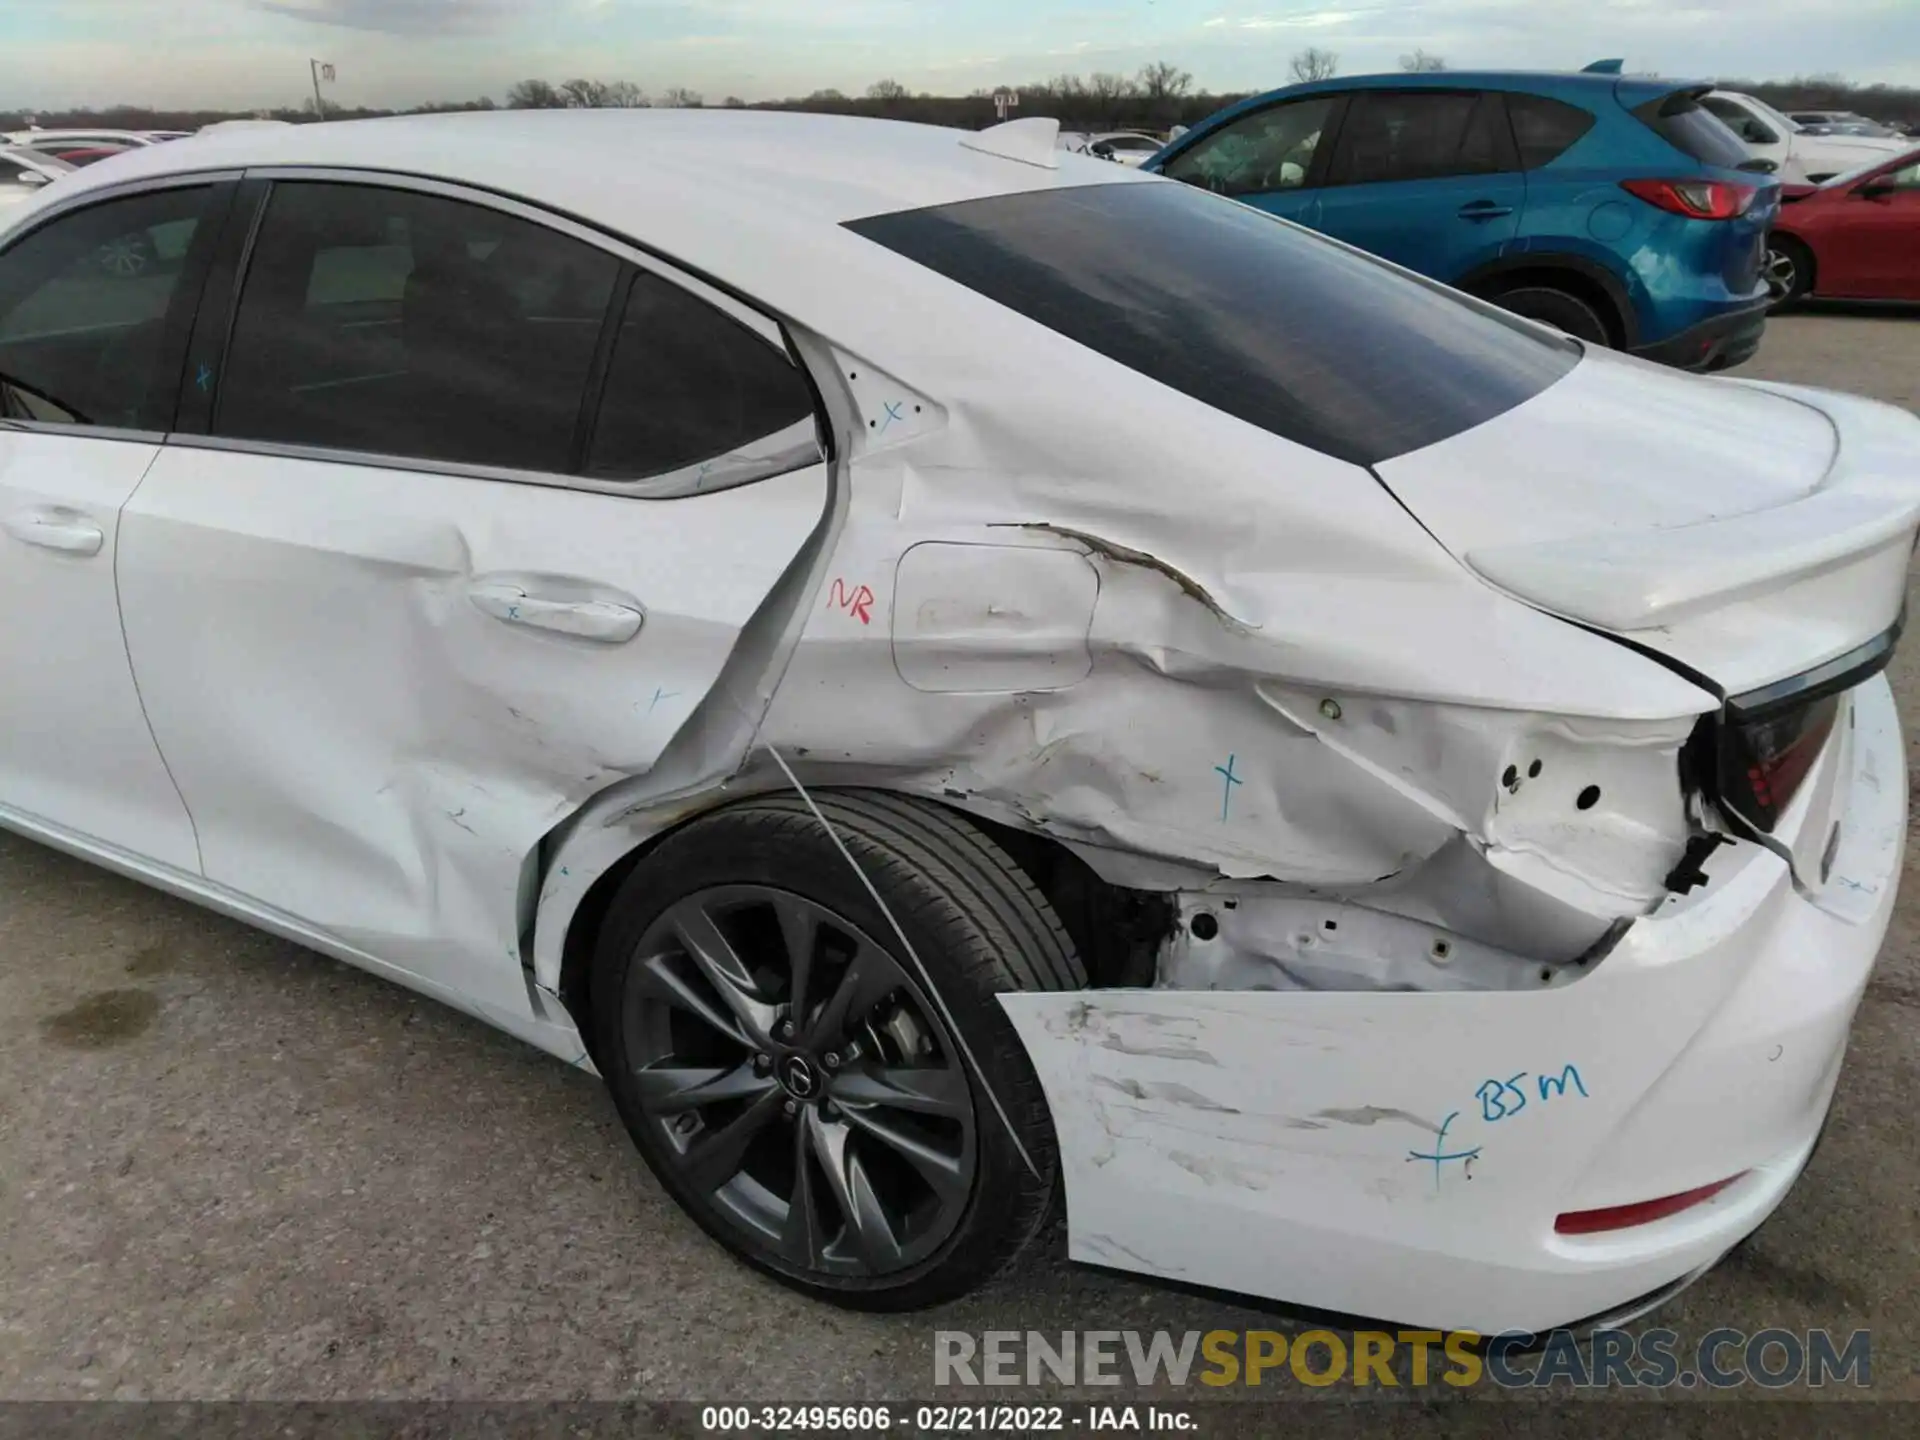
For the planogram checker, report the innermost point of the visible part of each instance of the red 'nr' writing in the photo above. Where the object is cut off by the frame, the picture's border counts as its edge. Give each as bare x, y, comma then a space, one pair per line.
859, 602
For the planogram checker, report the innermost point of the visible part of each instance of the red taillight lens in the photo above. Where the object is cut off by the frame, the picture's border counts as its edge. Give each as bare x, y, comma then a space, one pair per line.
1644, 1212
1763, 762
1696, 199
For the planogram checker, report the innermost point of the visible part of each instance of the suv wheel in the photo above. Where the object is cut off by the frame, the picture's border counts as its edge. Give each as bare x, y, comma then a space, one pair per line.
1558, 308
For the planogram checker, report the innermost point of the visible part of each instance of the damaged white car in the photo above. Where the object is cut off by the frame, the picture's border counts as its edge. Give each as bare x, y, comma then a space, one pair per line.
952, 673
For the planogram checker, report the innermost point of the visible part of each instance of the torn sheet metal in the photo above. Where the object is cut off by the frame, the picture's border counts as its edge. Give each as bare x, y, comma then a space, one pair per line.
1405, 1155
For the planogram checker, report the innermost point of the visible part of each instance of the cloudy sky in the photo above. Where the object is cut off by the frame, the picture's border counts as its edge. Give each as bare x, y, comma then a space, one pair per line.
247, 53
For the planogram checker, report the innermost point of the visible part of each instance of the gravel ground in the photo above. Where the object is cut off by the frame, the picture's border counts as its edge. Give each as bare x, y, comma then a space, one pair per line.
232, 1168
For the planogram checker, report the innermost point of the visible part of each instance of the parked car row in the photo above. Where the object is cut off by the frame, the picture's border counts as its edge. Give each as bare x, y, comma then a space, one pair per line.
1615, 208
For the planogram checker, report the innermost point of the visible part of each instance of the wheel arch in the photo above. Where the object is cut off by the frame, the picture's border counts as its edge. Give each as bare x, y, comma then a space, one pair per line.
1586, 279
1116, 931
1782, 232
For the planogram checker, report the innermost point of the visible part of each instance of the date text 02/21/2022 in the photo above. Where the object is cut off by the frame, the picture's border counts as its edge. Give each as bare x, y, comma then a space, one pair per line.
943, 1419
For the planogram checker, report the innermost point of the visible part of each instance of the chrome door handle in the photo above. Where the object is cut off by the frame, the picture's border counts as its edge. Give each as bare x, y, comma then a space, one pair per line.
62, 530
587, 619
1484, 210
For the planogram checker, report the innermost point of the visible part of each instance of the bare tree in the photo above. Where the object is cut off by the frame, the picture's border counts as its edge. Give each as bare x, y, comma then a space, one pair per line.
829, 95
734, 102
624, 95
535, 95
681, 98
1313, 63
1107, 89
1421, 63
583, 94
1163, 80
886, 92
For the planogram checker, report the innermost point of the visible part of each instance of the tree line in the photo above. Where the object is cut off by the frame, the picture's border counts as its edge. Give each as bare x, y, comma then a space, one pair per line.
1156, 97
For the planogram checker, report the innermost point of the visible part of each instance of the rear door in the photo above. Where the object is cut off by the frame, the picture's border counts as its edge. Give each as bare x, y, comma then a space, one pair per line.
1273, 159
1429, 179
95, 305
465, 542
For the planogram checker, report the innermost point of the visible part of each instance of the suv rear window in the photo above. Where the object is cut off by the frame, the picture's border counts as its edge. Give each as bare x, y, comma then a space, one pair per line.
1271, 323
1683, 123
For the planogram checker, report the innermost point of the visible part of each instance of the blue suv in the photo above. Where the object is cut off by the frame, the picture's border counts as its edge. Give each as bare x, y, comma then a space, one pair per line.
1611, 206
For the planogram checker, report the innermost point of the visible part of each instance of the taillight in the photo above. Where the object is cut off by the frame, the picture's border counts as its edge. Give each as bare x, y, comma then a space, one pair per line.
1763, 761
1696, 199
1644, 1212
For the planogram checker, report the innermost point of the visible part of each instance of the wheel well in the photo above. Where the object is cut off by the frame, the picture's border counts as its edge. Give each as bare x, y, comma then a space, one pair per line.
1116, 931
1564, 278
1806, 253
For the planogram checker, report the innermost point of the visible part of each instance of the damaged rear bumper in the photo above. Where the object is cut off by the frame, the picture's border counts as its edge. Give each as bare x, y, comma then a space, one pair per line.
1405, 1154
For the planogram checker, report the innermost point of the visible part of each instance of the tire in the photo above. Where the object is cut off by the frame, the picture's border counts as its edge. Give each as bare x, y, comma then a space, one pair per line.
1556, 307
1789, 270
692, 992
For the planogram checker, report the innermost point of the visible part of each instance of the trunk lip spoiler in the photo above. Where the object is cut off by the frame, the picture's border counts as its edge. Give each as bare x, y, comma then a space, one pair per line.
1843, 672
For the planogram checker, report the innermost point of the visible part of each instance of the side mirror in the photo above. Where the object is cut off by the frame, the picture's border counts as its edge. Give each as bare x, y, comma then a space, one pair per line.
32, 179
1880, 190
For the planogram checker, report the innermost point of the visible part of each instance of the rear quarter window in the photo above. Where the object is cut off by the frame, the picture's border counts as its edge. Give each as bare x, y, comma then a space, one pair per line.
1268, 322
1546, 129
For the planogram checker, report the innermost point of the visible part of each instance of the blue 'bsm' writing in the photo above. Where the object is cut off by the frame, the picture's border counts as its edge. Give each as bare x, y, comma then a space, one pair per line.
1500, 1099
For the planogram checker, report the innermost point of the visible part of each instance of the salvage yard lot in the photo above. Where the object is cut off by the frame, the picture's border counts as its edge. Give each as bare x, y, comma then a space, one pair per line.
232, 1168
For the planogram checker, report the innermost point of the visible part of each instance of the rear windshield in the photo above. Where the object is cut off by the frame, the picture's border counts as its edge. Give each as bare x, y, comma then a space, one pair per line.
1256, 317
1680, 120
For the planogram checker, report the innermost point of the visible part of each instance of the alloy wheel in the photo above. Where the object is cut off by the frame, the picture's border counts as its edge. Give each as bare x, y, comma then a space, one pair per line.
798, 1082
1783, 274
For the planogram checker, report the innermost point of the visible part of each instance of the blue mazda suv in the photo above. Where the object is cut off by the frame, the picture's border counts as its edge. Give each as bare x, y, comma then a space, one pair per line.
1610, 206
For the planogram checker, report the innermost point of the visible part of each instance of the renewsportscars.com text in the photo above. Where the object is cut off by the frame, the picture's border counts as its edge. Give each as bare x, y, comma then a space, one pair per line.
1652, 1359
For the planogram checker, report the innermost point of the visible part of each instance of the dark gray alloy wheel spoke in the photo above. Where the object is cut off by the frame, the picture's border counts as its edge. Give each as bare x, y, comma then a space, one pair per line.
708, 947
934, 1090
667, 1089
946, 1174
869, 976
868, 1225
714, 1159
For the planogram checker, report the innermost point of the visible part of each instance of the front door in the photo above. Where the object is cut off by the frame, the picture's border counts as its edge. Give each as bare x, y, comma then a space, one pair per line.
389, 633
93, 310
1874, 245
1428, 179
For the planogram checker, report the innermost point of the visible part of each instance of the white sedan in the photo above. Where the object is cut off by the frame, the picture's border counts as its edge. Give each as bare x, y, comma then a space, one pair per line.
1386, 807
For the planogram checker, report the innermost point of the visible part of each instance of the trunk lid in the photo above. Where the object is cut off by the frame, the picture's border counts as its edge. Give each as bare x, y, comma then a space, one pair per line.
1746, 532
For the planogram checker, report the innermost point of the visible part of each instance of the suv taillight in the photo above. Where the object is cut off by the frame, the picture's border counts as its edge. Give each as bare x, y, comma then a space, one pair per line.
1763, 761
1696, 199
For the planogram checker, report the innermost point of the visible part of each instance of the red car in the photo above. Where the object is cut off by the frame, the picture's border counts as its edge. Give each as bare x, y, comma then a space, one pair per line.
1856, 237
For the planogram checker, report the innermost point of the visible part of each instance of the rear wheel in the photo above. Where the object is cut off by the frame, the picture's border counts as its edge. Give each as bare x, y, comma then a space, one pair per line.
1556, 307
1789, 270
797, 1083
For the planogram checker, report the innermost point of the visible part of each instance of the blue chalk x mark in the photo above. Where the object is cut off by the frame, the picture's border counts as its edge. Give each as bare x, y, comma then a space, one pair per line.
894, 412
659, 695
1441, 1154
205, 378
1226, 800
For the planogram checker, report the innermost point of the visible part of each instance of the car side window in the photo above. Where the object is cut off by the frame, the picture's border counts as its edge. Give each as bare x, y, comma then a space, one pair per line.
399, 323
1905, 178
1747, 126
1418, 135
1270, 150
688, 384
85, 302
1545, 129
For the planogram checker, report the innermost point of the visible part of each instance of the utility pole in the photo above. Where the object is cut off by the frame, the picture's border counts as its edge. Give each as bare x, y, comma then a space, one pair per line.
319, 70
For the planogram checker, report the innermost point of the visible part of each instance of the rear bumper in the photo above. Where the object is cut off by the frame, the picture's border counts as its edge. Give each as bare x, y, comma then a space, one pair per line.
1405, 1155
1720, 343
